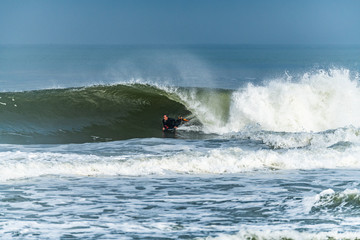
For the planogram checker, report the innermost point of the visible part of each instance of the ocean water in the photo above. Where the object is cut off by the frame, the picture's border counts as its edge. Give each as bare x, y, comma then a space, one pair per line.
271, 151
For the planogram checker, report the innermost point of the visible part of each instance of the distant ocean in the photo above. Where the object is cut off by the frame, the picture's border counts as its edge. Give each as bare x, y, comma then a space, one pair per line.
271, 151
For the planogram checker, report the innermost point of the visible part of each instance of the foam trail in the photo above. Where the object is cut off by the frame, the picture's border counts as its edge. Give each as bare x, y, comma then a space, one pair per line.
17, 165
273, 234
337, 138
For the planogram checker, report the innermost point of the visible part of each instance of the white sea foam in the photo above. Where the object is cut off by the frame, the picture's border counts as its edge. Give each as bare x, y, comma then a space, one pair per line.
22, 164
315, 102
331, 138
329, 200
285, 234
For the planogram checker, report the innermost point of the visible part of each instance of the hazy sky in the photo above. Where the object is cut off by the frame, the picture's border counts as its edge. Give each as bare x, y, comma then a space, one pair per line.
180, 21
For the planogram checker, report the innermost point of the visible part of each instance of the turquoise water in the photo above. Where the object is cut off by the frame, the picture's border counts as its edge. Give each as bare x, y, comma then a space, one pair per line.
271, 150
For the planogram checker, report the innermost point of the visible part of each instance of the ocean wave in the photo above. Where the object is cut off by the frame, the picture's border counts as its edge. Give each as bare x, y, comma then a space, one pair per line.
77, 115
317, 102
344, 202
189, 161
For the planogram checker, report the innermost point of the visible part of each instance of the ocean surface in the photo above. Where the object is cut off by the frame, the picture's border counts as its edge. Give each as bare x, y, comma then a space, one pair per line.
271, 151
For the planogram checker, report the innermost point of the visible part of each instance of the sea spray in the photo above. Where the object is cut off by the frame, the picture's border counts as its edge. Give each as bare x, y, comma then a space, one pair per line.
317, 102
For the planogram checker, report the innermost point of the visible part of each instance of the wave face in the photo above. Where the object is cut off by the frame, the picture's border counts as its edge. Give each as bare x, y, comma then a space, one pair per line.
98, 113
312, 103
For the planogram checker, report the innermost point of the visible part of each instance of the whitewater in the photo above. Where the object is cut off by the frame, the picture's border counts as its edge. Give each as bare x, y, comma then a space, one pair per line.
271, 150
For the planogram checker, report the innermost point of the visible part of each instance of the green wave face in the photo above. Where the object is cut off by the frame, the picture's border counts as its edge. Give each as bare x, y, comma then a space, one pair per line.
78, 115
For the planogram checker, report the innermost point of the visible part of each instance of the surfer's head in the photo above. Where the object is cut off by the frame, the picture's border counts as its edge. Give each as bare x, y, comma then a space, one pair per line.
166, 117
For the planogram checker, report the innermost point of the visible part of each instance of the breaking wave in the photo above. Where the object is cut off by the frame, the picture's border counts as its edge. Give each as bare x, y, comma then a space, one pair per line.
347, 201
161, 157
315, 102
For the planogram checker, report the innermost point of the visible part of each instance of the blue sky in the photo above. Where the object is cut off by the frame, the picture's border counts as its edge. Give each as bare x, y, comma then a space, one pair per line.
180, 21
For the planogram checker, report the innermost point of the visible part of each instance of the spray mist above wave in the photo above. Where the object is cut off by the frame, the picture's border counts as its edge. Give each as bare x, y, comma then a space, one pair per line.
315, 102
177, 67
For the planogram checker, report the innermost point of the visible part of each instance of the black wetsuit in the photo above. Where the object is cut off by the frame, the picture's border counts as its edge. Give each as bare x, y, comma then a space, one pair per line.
169, 124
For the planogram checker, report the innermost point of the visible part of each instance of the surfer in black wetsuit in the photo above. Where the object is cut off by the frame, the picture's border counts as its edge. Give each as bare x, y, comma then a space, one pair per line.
172, 124
169, 123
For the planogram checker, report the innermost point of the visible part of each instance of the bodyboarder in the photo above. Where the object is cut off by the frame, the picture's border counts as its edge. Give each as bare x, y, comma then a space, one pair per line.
170, 124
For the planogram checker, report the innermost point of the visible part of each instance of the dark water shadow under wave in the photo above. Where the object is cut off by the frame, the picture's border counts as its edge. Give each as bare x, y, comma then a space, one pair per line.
78, 115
